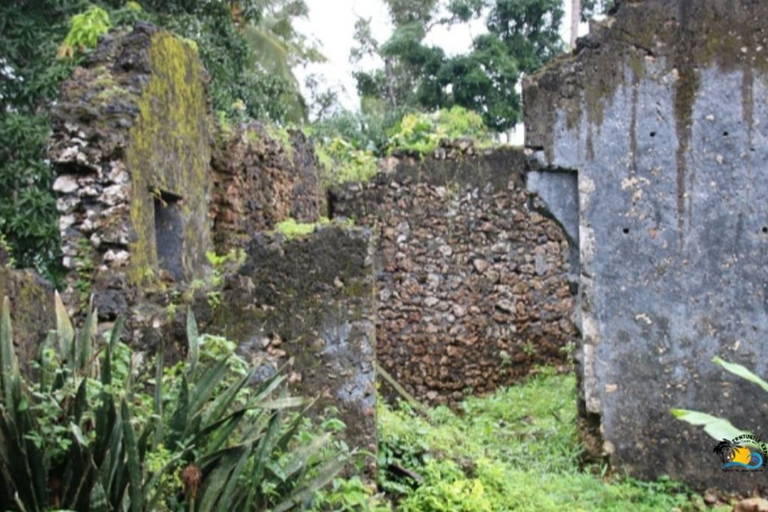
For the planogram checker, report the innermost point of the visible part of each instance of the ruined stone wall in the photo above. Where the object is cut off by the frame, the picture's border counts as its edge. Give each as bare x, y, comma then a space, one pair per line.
149, 184
662, 112
131, 147
472, 287
308, 303
260, 181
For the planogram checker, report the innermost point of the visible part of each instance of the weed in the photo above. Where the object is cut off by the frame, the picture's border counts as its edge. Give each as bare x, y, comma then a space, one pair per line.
515, 450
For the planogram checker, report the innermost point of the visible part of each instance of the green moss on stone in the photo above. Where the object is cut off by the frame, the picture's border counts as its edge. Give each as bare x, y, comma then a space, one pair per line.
169, 150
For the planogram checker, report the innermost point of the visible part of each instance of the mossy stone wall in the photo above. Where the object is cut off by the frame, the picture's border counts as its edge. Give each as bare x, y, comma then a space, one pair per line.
169, 153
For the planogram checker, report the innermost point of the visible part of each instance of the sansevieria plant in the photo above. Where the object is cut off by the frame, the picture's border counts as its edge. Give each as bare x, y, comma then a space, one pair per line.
90, 432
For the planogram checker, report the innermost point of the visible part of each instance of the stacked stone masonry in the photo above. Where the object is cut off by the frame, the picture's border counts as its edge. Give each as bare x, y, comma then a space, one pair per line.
472, 288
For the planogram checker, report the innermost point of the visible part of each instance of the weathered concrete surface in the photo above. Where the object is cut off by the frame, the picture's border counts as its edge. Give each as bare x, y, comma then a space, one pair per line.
472, 287
663, 113
309, 302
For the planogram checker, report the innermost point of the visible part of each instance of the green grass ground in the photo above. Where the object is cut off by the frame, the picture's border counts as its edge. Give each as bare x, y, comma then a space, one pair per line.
516, 450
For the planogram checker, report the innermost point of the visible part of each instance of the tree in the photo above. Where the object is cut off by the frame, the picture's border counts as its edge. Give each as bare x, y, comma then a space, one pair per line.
243, 72
523, 35
575, 21
530, 29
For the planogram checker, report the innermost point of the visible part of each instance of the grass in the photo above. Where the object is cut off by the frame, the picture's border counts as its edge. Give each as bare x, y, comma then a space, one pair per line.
515, 450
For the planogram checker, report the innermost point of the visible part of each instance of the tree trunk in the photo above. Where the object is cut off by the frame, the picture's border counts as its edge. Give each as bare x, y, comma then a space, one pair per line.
575, 21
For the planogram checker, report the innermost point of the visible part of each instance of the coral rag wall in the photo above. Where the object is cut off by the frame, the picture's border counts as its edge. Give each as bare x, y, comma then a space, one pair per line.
131, 147
662, 111
472, 287
260, 181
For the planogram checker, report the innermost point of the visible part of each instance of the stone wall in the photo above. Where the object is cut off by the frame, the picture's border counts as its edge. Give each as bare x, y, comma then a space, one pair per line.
131, 147
308, 303
472, 287
662, 111
149, 184
260, 181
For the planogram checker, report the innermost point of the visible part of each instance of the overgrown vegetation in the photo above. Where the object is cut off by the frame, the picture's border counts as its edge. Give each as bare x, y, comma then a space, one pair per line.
516, 450
291, 228
95, 431
356, 158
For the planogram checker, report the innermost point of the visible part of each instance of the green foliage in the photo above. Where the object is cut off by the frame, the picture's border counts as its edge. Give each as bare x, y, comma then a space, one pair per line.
522, 36
422, 132
342, 162
94, 432
718, 428
592, 8
85, 30
515, 450
291, 229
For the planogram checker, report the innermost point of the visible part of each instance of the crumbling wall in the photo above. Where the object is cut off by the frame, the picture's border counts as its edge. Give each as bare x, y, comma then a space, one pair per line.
472, 288
662, 112
308, 303
131, 147
260, 181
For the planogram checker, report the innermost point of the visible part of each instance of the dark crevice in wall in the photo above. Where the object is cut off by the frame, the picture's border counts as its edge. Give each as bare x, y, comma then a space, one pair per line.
169, 233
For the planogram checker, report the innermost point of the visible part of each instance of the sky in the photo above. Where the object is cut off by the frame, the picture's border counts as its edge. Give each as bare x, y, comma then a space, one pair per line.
331, 22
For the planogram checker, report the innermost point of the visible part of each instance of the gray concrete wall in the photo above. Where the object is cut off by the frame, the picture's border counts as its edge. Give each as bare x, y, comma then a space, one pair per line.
662, 111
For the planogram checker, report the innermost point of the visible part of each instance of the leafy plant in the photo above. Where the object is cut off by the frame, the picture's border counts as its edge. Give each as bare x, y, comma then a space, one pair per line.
422, 133
341, 162
92, 432
719, 428
84, 32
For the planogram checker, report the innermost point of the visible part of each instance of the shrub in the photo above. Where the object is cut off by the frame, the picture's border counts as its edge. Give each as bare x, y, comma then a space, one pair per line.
422, 132
93, 432
342, 163
84, 32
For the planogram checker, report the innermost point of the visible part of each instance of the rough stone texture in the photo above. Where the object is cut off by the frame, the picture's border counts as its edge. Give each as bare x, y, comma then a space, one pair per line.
662, 111
471, 282
260, 181
309, 302
131, 147
32, 311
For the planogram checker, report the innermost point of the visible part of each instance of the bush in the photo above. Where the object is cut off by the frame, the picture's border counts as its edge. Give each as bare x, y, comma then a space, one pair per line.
422, 132
341, 162
92, 431
515, 450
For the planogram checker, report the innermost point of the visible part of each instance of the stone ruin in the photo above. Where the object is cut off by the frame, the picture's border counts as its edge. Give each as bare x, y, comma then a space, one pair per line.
472, 280
659, 118
630, 227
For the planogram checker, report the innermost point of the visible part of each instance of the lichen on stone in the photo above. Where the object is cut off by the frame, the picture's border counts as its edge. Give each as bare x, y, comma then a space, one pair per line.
169, 150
